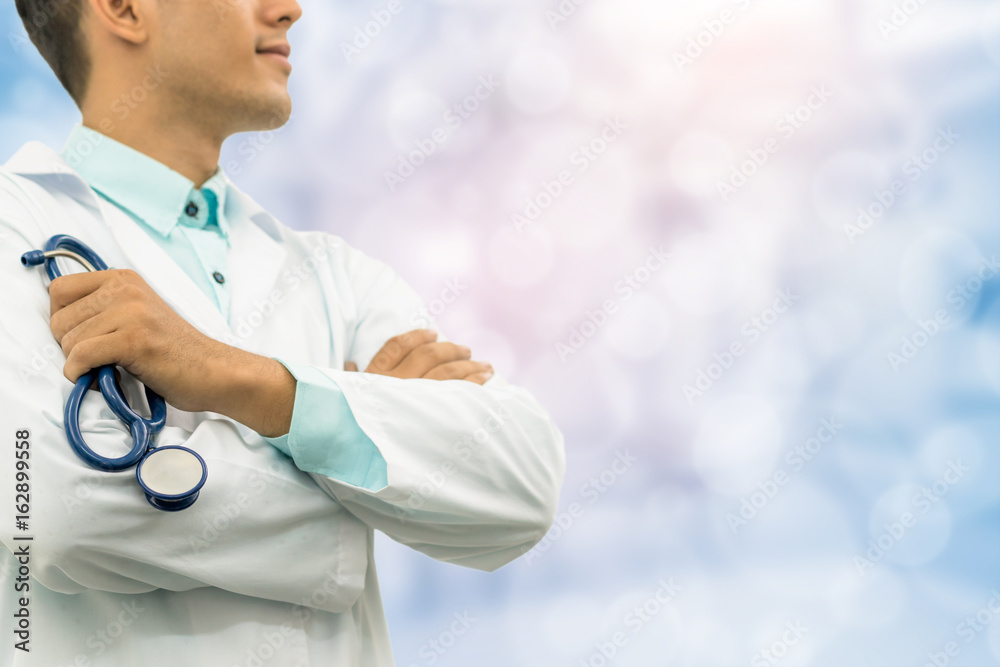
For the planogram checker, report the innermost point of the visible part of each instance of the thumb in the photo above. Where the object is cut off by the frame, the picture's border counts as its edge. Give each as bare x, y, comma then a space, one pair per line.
350, 366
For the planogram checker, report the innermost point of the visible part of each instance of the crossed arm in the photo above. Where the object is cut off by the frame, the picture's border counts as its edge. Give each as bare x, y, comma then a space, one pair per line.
115, 317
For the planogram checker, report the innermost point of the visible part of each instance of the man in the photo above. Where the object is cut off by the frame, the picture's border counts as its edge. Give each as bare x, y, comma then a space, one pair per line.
243, 326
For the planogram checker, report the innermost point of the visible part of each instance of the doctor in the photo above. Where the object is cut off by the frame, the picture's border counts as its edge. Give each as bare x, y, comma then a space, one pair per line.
247, 329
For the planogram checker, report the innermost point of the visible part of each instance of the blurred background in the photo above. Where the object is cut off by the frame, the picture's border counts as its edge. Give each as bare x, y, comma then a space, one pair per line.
747, 253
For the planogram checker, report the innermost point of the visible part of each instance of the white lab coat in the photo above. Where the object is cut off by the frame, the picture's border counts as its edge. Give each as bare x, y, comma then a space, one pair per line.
271, 566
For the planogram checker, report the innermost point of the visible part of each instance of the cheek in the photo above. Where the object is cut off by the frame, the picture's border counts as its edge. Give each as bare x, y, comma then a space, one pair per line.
217, 65
222, 39
235, 57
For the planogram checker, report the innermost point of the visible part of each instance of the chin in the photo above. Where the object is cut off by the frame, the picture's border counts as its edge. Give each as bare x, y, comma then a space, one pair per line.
267, 113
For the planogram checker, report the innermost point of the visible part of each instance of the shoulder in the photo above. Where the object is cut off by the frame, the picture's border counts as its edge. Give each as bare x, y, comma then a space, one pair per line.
19, 210
326, 248
12, 184
303, 244
316, 250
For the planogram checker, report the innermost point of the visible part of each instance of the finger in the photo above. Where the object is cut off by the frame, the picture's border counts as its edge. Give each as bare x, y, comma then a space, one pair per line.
457, 370
64, 290
350, 366
91, 353
479, 378
420, 361
397, 348
72, 315
96, 326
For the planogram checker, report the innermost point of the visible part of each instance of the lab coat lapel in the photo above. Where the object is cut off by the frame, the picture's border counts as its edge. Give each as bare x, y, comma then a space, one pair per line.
256, 258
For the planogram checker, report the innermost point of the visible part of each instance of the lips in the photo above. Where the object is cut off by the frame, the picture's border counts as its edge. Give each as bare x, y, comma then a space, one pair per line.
279, 53
282, 49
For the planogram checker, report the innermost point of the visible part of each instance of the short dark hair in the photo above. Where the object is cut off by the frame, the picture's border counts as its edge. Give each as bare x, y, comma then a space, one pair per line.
54, 29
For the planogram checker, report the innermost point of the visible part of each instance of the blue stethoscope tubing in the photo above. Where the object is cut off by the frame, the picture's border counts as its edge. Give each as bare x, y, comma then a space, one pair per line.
142, 429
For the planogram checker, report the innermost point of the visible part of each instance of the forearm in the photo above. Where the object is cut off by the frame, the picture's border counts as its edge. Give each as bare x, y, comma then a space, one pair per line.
254, 390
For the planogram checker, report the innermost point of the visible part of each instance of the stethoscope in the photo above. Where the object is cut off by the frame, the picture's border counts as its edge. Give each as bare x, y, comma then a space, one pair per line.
170, 476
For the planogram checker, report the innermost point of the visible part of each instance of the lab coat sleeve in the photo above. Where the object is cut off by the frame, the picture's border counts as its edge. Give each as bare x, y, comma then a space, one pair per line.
474, 471
260, 527
324, 436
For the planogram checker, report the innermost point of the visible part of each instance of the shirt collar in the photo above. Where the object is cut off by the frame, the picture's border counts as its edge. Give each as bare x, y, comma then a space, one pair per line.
48, 169
148, 189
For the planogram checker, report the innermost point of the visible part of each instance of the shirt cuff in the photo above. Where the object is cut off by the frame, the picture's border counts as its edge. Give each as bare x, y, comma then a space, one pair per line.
324, 437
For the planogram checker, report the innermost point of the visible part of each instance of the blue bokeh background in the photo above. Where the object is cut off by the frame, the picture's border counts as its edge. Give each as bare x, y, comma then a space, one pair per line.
699, 89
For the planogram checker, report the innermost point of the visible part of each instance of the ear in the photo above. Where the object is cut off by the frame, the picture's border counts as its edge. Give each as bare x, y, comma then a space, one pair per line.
126, 19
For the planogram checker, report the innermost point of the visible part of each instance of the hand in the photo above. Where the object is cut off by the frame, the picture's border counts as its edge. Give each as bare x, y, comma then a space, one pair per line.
417, 354
115, 317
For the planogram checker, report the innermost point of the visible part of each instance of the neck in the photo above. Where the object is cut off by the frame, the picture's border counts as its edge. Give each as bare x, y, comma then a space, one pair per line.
189, 150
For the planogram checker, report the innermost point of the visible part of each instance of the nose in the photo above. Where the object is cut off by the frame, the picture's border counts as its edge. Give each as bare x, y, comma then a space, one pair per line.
284, 12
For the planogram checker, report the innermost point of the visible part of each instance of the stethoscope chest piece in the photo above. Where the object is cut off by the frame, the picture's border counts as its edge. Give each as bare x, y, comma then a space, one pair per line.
171, 477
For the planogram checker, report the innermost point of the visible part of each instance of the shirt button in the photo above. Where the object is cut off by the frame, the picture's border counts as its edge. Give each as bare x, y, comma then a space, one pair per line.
191, 209
219, 278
